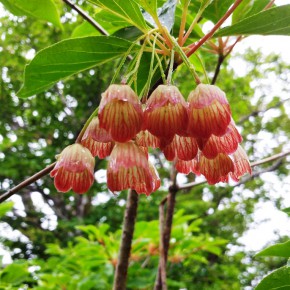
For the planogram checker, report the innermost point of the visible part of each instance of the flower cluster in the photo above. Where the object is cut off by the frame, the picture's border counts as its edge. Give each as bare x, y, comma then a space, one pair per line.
199, 136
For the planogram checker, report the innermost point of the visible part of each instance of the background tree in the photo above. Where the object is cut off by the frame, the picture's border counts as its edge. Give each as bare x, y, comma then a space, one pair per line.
209, 219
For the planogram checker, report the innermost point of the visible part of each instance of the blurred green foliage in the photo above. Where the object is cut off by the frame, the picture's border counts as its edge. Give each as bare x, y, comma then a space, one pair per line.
67, 241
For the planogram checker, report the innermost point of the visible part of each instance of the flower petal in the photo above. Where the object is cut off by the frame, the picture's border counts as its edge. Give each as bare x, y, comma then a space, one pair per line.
228, 143
217, 169
166, 112
241, 164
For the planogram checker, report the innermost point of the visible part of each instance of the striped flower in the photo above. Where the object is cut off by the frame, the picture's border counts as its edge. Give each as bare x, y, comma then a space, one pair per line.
209, 112
120, 113
74, 169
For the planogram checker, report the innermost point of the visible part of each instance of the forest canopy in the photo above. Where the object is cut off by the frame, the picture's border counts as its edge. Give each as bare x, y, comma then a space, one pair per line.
136, 145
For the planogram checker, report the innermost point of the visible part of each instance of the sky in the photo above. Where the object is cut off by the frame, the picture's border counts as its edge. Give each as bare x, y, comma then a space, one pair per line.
268, 221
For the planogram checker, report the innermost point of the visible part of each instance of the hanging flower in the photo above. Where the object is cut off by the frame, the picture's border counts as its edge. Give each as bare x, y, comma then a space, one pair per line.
74, 169
97, 140
241, 164
166, 112
128, 167
228, 143
209, 112
184, 148
217, 169
120, 113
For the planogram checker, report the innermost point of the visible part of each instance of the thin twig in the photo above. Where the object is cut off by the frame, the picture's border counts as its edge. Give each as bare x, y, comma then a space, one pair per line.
26, 182
214, 29
217, 69
271, 158
126, 241
87, 17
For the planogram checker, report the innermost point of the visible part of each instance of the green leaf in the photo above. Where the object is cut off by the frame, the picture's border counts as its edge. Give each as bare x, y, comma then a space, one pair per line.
286, 210
15, 273
274, 21
279, 250
149, 5
68, 57
5, 207
130, 12
110, 22
130, 33
166, 15
215, 10
257, 7
46, 11
279, 279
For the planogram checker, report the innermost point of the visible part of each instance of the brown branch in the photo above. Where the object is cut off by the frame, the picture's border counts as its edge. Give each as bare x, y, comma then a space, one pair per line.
86, 17
26, 182
162, 260
271, 158
166, 233
221, 59
256, 112
126, 241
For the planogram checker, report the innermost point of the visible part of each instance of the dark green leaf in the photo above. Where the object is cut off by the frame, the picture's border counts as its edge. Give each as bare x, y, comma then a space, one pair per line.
279, 250
130, 33
279, 279
275, 21
130, 12
15, 274
46, 11
69, 57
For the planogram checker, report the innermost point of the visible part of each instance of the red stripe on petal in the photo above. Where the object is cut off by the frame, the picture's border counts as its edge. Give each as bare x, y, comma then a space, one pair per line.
216, 170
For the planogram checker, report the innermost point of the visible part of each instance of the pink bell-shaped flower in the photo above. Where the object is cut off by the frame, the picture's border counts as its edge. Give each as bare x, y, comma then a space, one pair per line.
209, 112
74, 169
97, 140
166, 112
128, 167
120, 113
228, 143
217, 169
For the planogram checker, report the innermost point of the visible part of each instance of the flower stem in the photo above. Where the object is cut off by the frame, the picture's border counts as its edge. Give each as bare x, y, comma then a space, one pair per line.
214, 29
169, 76
81, 134
194, 22
183, 22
